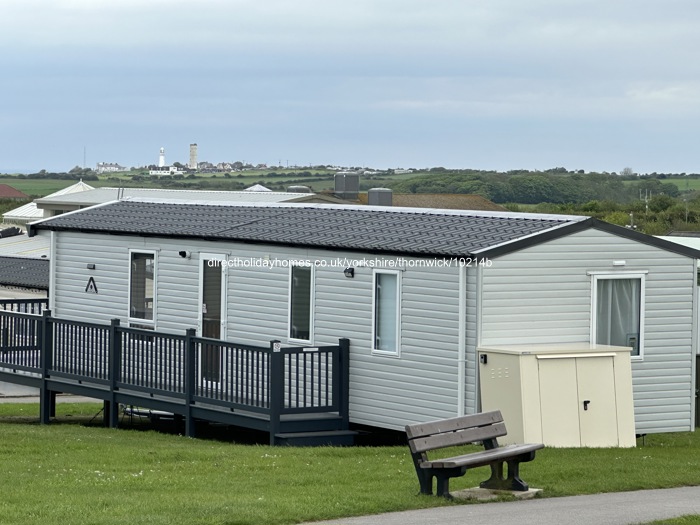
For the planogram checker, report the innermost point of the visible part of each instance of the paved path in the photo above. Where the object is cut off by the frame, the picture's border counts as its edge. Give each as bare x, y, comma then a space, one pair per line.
12, 390
11, 393
61, 398
615, 508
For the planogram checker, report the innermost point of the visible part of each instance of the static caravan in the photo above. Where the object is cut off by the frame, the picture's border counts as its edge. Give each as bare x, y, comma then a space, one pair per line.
416, 292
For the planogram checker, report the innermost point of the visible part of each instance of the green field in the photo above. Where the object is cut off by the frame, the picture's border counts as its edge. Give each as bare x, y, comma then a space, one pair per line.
683, 183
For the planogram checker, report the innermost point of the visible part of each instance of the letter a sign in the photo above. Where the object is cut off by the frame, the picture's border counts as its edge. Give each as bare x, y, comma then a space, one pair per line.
91, 286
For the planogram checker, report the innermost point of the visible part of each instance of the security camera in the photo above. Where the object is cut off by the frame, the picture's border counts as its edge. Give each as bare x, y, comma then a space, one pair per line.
185, 254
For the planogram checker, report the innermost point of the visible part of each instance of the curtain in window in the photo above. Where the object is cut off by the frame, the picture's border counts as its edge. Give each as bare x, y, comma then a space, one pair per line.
386, 312
617, 312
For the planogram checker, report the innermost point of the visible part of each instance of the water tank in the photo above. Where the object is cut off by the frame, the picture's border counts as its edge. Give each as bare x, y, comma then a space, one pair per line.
347, 185
379, 197
299, 189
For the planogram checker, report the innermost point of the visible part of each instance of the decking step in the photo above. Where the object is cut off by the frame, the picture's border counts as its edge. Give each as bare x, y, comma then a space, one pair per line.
315, 439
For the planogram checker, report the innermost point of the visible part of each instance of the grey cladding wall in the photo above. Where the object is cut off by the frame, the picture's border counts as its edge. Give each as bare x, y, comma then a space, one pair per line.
542, 294
386, 391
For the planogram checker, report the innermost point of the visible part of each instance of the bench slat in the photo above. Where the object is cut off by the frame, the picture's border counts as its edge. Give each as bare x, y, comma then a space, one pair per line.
484, 457
462, 437
452, 424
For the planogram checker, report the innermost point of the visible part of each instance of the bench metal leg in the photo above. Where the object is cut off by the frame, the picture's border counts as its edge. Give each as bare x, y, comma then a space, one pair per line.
514, 477
443, 476
498, 481
426, 483
425, 477
443, 486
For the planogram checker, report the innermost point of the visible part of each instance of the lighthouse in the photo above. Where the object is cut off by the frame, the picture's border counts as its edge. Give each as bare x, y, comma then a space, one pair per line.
161, 159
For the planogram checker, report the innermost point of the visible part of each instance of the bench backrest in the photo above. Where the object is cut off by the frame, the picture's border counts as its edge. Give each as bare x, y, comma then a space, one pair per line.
455, 431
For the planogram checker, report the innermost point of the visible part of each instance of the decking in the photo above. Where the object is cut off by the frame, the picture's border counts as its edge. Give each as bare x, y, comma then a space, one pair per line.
297, 395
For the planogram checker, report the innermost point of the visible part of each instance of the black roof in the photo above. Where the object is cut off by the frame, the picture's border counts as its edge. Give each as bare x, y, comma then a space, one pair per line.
373, 229
24, 272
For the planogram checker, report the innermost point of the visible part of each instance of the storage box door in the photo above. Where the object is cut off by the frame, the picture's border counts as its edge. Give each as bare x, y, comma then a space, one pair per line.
596, 396
558, 402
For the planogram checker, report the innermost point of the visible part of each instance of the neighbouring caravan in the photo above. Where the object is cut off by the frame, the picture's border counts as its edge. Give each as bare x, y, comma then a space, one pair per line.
415, 291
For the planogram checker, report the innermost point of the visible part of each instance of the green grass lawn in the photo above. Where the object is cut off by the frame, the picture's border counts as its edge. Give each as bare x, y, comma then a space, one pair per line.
53, 473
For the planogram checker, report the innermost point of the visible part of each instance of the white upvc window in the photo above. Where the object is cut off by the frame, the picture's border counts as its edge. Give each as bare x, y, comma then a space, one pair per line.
386, 312
301, 303
617, 310
142, 289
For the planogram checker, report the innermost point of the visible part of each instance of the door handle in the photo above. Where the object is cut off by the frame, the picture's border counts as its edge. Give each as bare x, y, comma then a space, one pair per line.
585, 404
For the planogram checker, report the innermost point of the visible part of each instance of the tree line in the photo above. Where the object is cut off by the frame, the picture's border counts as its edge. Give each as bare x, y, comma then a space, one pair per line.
538, 187
648, 204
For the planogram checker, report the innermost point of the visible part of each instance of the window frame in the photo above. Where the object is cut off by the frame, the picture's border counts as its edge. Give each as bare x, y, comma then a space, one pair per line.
638, 275
137, 322
311, 304
378, 351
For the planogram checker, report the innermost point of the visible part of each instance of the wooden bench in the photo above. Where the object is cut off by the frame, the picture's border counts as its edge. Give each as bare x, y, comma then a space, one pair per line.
485, 428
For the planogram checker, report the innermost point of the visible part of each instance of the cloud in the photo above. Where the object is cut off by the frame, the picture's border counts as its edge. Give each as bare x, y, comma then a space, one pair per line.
376, 67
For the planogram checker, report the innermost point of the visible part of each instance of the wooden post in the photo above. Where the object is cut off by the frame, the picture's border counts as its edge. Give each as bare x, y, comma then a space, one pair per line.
344, 362
190, 379
46, 350
275, 388
111, 409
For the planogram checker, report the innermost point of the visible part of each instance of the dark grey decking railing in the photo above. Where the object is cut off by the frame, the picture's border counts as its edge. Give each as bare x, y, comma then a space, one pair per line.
26, 306
183, 372
20, 341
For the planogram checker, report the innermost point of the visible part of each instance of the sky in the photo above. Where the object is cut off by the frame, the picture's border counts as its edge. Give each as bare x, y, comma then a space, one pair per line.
597, 85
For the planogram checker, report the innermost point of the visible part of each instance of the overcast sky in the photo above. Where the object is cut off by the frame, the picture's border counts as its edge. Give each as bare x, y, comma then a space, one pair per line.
488, 84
